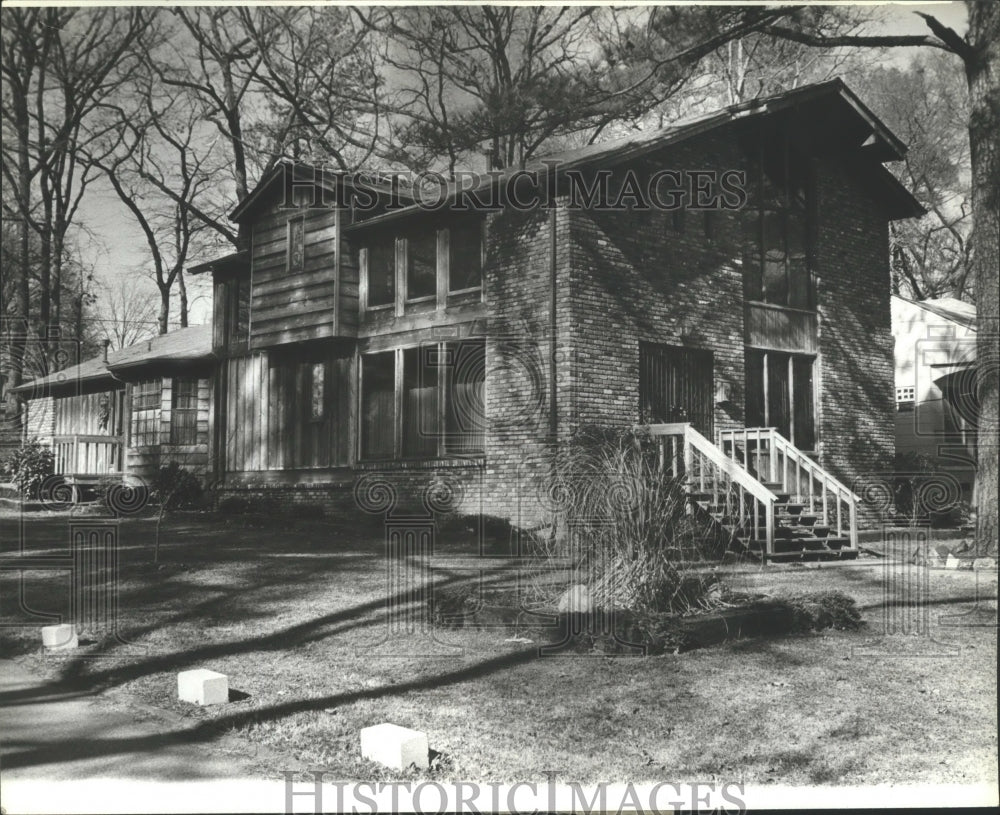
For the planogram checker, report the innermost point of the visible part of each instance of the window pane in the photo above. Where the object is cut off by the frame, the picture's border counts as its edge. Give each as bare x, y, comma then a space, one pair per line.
382, 273
805, 419
420, 406
799, 295
778, 405
775, 280
317, 405
465, 264
421, 265
146, 413
378, 405
752, 280
296, 244
184, 415
756, 416
465, 407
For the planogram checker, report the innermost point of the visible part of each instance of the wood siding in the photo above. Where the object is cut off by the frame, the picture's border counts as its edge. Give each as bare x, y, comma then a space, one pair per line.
144, 460
295, 306
268, 414
92, 414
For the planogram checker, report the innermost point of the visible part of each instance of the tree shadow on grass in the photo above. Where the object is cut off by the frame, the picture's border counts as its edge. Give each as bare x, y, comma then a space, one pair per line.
74, 749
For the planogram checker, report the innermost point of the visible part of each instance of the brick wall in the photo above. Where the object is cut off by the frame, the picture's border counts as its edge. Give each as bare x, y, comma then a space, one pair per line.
857, 403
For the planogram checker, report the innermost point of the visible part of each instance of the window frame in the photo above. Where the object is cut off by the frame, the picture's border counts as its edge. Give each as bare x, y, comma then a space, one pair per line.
481, 229
293, 222
443, 445
790, 358
192, 409
392, 244
149, 415
797, 172
436, 265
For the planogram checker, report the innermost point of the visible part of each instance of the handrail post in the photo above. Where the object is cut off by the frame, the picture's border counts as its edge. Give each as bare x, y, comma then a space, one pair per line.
854, 524
769, 525
688, 455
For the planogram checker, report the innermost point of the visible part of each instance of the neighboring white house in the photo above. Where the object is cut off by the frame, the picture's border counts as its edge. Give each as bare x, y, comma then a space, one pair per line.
936, 406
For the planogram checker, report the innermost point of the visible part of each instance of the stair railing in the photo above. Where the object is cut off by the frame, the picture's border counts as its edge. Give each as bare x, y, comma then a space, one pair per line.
709, 470
771, 454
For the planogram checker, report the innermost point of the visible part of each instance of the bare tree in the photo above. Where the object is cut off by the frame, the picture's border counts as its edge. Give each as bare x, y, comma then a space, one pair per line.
128, 314
57, 65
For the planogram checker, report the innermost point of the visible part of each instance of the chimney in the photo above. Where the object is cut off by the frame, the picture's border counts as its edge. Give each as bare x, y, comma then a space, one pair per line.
107, 342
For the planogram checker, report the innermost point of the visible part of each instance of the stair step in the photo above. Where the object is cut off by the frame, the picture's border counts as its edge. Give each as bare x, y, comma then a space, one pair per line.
790, 508
798, 520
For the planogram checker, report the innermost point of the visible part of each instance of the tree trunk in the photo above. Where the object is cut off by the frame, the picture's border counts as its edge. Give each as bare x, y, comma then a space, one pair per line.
183, 295
982, 70
164, 308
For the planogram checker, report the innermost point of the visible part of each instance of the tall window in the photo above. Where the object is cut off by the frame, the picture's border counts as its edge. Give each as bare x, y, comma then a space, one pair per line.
317, 391
776, 228
780, 394
465, 261
146, 413
421, 265
237, 312
184, 412
465, 397
297, 244
381, 273
378, 405
441, 396
420, 402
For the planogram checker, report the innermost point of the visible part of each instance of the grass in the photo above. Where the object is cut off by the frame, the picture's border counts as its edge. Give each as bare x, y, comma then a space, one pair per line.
293, 611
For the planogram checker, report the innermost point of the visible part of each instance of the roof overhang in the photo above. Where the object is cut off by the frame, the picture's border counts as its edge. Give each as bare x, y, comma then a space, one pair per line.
830, 106
233, 262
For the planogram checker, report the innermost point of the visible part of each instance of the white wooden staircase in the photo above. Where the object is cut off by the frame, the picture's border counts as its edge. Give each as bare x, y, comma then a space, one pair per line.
772, 500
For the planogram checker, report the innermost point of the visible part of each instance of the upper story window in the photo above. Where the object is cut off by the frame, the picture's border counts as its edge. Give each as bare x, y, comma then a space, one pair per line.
297, 244
465, 256
777, 228
421, 265
416, 261
232, 311
381, 273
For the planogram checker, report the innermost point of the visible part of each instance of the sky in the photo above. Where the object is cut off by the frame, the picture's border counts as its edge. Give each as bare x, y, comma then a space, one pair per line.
116, 247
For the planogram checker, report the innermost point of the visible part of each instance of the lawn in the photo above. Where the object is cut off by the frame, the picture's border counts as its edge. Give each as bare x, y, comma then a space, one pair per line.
294, 612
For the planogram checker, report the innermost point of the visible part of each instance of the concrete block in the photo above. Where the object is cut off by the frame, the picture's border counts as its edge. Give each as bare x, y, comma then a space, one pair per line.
952, 562
984, 563
203, 687
575, 600
395, 746
59, 637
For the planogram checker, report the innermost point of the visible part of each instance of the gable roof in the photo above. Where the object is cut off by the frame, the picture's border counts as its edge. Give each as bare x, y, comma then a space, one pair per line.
303, 173
831, 101
186, 345
948, 308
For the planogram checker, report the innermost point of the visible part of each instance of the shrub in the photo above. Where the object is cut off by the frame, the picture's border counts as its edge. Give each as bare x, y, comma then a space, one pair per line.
923, 491
29, 466
177, 488
621, 524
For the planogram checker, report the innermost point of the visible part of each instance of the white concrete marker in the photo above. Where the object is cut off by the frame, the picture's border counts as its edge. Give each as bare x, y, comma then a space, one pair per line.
59, 637
395, 746
203, 687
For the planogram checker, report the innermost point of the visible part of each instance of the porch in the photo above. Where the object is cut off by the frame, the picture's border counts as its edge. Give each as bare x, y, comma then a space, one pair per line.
85, 461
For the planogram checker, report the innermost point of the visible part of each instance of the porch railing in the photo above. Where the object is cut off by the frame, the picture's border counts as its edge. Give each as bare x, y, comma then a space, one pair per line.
772, 457
90, 455
732, 489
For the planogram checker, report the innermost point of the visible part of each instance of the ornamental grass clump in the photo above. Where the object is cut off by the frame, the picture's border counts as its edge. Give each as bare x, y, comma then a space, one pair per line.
620, 524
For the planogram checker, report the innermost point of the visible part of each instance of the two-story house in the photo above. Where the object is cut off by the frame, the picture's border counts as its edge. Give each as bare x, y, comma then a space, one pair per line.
725, 279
